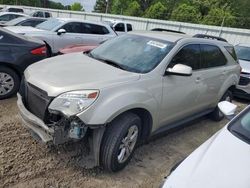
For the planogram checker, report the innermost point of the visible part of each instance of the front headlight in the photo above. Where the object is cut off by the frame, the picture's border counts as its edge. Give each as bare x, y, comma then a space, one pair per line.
74, 102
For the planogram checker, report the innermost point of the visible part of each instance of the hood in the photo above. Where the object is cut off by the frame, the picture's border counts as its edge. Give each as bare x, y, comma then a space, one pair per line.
24, 29
221, 162
75, 71
245, 65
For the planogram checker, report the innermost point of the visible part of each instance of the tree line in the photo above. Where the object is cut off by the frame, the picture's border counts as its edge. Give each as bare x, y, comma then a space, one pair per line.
230, 13
44, 3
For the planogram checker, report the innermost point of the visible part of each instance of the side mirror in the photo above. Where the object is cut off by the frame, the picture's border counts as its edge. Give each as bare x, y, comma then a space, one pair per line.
180, 70
228, 109
61, 31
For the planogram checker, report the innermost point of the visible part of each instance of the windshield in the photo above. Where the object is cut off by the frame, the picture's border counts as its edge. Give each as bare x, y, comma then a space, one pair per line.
15, 21
50, 24
243, 52
240, 127
133, 53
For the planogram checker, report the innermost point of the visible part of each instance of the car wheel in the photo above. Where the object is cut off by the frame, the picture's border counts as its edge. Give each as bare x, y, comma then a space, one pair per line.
119, 142
217, 115
9, 82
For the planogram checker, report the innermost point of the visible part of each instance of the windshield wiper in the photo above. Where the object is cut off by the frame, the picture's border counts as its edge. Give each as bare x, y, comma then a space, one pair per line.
109, 62
244, 59
242, 136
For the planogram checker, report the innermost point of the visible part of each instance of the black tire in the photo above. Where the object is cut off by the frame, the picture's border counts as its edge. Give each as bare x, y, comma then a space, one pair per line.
216, 115
16, 80
112, 140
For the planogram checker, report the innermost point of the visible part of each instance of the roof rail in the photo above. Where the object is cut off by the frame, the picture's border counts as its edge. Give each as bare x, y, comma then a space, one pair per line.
167, 30
209, 37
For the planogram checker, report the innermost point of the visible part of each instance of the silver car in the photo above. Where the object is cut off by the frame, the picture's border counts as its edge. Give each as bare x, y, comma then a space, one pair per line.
126, 90
243, 54
61, 32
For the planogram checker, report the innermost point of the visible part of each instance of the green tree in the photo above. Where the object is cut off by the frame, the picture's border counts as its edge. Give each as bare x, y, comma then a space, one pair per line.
77, 7
119, 6
156, 11
186, 13
102, 5
134, 9
218, 16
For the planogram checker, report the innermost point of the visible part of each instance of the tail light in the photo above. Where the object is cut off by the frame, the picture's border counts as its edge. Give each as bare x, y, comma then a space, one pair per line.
39, 51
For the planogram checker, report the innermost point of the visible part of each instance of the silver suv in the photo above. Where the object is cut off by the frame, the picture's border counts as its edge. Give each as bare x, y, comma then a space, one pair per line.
128, 89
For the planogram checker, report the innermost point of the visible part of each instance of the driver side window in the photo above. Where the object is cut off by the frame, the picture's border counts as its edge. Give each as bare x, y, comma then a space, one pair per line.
189, 55
73, 27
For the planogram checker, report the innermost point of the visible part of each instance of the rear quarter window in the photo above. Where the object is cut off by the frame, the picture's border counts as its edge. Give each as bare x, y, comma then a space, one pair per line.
231, 51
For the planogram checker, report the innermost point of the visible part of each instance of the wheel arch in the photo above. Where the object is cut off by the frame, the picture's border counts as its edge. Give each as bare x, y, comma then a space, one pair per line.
14, 68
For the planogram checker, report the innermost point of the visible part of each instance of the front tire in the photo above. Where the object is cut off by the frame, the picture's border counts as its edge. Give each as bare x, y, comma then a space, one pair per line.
119, 142
217, 115
9, 82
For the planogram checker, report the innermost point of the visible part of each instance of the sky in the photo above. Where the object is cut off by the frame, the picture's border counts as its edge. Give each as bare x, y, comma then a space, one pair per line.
87, 4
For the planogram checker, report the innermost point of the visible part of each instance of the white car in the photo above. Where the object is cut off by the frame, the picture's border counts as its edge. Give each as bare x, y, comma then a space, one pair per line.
243, 88
223, 161
7, 16
58, 33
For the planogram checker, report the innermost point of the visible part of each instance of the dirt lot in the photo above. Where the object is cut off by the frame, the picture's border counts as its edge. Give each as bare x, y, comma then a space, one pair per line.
25, 163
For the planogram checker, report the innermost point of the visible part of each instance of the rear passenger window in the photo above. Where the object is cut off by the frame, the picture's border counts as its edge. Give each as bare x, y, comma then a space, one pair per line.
212, 56
47, 15
129, 27
94, 29
188, 55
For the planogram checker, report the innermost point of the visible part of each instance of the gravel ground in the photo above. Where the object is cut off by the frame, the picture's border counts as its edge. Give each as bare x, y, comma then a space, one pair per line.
25, 163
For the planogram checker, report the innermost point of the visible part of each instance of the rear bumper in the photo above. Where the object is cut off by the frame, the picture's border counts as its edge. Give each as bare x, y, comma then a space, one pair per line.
34, 124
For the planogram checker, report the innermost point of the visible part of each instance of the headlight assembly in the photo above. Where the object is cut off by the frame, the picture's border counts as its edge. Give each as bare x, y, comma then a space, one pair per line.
74, 102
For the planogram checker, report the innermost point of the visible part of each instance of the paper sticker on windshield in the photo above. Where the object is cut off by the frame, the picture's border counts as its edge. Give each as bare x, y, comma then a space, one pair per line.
157, 44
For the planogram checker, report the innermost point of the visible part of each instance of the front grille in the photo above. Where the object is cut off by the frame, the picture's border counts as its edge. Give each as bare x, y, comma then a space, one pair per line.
35, 99
244, 81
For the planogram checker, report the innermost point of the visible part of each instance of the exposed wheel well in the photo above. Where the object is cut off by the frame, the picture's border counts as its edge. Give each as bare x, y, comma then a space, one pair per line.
232, 88
146, 119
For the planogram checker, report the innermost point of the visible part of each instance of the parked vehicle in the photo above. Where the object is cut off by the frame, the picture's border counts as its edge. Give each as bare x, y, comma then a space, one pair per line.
119, 26
41, 14
61, 32
77, 48
12, 9
16, 54
222, 161
124, 91
7, 16
25, 21
243, 54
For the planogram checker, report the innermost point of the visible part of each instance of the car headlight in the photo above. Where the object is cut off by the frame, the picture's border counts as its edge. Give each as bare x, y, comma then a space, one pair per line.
74, 102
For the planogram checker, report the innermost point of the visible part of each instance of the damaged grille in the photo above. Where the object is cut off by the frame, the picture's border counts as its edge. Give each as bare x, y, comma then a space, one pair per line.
35, 99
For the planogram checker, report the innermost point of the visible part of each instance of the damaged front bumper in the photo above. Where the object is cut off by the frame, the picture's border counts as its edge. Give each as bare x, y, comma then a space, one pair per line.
57, 133
33, 123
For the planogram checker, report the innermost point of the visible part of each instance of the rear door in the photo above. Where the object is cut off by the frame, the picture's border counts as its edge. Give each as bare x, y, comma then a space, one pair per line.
213, 73
93, 34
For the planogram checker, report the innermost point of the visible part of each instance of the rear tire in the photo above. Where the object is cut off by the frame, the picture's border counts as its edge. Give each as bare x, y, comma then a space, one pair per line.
119, 142
217, 115
9, 82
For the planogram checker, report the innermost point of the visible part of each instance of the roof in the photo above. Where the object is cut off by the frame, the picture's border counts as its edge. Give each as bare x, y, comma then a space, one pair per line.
244, 45
171, 37
16, 13
174, 37
80, 20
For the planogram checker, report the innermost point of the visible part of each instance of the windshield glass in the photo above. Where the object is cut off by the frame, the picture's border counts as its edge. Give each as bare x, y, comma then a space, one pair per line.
240, 127
50, 24
133, 53
15, 21
243, 52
